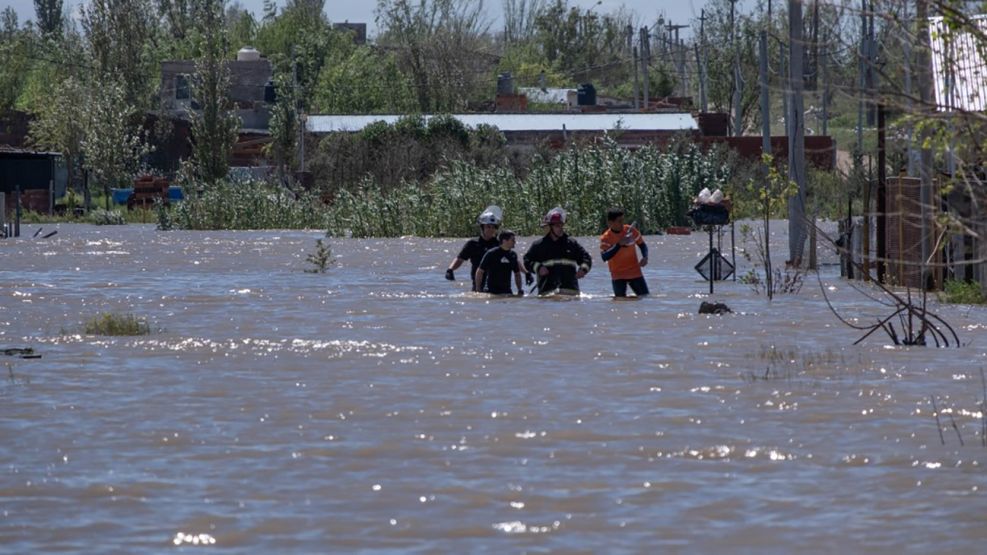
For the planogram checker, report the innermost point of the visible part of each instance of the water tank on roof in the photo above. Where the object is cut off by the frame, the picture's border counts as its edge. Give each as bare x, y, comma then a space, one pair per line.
586, 95
505, 84
247, 54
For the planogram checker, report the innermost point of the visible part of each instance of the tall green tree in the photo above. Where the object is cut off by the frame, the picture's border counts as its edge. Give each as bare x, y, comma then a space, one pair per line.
113, 147
122, 39
444, 47
284, 127
49, 14
16, 49
367, 81
58, 126
215, 124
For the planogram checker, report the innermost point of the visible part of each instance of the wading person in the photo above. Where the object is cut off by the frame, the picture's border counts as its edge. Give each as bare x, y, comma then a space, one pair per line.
494, 273
474, 249
617, 247
558, 259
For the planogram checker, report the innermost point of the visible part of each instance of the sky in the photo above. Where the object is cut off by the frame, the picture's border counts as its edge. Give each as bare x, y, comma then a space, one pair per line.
678, 11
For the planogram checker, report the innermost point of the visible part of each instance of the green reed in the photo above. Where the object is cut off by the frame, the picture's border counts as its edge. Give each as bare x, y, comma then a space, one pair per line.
655, 188
245, 205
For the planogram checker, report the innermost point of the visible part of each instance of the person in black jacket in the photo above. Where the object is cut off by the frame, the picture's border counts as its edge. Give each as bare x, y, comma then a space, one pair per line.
474, 249
558, 259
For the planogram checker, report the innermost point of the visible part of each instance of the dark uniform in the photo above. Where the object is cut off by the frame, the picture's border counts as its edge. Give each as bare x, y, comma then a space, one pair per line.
498, 266
473, 250
563, 258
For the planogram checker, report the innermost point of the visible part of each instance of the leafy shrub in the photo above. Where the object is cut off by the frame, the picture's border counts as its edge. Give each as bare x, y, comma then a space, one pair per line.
962, 292
101, 216
247, 205
116, 325
321, 259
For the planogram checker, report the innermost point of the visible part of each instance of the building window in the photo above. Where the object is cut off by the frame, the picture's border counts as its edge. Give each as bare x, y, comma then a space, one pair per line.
182, 87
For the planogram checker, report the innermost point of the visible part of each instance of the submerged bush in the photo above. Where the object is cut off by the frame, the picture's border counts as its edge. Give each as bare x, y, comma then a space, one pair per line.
116, 324
320, 259
100, 216
962, 292
247, 205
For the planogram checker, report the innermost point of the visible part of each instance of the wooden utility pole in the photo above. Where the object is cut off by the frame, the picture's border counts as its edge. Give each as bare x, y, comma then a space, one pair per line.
765, 93
797, 218
678, 55
645, 62
701, 61
824, 75
633, 53
882, 198
858, 158
738, 125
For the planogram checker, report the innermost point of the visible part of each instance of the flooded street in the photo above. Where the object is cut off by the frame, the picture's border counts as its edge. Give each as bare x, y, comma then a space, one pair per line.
378, 407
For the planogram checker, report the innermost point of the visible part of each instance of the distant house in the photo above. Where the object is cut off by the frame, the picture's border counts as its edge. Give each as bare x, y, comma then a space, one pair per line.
251, 88
251, 92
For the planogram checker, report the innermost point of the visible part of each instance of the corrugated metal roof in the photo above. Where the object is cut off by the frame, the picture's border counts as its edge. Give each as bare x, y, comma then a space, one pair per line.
957, 61
525, 122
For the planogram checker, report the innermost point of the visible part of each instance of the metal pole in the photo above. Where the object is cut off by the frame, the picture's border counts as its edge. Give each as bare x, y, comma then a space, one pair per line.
882, 197
711, 257
17, 211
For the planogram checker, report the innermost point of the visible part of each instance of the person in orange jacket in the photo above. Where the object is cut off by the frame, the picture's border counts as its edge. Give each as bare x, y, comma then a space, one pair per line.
617, 248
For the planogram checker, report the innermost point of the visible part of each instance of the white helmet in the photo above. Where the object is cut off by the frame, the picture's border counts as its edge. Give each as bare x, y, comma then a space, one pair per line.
491, 215
554, 216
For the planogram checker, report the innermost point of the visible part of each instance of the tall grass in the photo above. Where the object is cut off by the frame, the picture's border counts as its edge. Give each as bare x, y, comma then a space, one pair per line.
654, 187
245, 205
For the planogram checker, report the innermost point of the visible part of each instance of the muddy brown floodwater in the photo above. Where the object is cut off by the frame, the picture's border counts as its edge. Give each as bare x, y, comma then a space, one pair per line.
380, 408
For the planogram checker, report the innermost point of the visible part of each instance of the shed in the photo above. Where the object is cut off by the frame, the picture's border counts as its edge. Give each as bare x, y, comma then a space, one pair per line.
35, 173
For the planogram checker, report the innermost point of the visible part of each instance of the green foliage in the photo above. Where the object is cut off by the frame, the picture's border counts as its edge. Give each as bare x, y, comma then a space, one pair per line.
653, 186
246, 205
321, 259
49, 13
112, 324
445, 128
113, 146
767, 198
121, 36
284, 127
100, 216
573, 39
367, 81
58, 126
408, 151
962, 292
443, 48
215, 126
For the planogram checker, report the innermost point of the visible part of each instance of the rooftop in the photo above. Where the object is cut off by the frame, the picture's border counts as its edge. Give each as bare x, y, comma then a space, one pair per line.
679, 121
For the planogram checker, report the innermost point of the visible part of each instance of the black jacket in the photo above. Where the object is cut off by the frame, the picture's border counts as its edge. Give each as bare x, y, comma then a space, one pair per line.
563, 258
